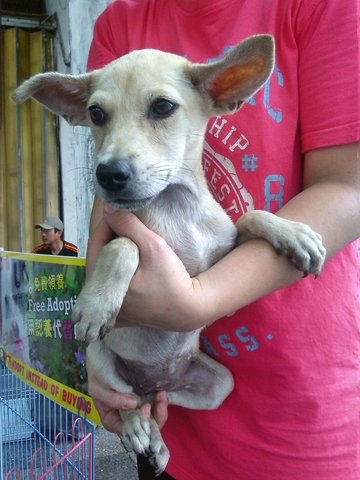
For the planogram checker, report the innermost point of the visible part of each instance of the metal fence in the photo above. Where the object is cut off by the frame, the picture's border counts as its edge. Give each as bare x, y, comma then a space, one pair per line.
40, 439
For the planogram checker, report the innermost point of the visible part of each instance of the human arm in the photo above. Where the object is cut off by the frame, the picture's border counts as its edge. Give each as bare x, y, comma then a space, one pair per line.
329, 203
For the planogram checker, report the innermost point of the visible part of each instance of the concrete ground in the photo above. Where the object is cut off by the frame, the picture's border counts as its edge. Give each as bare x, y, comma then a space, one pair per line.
112, 462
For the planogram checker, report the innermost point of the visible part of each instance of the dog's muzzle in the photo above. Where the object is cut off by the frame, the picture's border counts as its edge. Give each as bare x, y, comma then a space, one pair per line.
114, 174
117, 181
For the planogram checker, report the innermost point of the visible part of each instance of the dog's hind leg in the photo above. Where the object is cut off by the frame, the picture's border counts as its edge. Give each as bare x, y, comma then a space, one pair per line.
205, 384
139, 433
143, 435
101, 361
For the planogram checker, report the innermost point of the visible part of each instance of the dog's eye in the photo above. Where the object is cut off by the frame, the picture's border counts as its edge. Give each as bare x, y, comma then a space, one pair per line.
97, 115
162, 108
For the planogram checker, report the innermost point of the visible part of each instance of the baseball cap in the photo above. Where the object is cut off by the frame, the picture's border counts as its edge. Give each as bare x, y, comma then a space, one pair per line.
51, 222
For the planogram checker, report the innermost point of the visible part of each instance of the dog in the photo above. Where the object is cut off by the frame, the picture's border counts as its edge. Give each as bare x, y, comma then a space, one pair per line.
148, 113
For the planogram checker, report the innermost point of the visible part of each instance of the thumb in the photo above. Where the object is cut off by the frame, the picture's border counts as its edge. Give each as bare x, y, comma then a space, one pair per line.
128, 225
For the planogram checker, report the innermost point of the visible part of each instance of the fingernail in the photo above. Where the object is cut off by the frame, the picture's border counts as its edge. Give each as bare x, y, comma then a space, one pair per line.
130, 402
162, 395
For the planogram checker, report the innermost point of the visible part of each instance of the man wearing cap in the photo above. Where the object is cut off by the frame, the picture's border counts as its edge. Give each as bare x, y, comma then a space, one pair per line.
51, 232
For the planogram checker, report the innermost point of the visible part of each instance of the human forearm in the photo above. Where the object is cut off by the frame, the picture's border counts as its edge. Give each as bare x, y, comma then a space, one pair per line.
330, 204
254, 269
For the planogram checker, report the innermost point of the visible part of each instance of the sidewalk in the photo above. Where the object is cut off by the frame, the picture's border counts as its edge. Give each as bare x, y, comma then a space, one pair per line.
112, 462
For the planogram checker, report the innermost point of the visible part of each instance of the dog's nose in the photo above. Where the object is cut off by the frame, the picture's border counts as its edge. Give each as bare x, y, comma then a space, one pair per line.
113, 175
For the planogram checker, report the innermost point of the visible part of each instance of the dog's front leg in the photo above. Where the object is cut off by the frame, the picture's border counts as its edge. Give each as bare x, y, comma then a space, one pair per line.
297, 241
101, 298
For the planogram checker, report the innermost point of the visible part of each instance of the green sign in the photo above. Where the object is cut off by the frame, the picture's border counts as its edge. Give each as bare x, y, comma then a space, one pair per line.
38, 293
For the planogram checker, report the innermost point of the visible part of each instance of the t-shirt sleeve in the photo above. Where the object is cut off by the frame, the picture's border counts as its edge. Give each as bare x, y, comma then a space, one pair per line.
109, 37
328, 72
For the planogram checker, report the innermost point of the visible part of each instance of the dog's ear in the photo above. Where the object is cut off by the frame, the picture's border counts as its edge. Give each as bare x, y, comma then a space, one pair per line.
65, 95
238, 76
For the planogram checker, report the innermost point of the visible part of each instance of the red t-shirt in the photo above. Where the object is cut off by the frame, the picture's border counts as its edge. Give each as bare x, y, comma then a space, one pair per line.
295, 355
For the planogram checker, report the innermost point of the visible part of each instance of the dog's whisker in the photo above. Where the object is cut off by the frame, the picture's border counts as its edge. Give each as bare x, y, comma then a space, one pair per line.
84, 169
169, 177
170, 168
87, 175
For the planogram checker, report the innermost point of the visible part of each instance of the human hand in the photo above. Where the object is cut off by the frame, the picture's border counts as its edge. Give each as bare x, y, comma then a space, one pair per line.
168, 296
108, 403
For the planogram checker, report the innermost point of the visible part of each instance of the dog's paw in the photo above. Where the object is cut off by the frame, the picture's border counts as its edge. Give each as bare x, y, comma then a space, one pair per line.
94, 315
143, 436
302, 246
136, 432
158, 456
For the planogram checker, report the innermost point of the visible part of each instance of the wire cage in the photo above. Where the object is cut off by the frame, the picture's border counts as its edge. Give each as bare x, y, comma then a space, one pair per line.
40, 439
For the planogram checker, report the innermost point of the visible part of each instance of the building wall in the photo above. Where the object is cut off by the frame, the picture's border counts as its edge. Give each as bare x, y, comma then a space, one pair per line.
75, 26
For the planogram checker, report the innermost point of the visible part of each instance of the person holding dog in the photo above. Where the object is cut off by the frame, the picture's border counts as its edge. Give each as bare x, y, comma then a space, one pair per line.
52, 229
292, 344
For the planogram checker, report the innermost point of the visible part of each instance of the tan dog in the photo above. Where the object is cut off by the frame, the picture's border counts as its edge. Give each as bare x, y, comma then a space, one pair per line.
148, 113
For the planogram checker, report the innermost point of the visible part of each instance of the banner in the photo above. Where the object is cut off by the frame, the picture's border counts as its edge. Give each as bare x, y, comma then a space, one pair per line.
38, 293
64, 395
